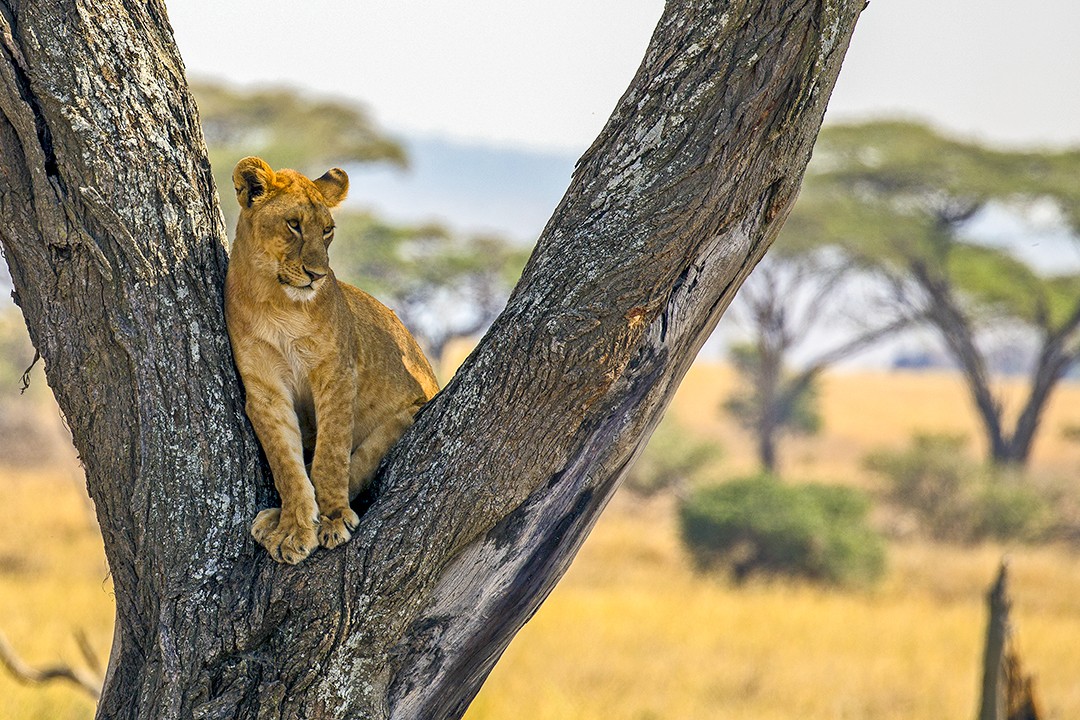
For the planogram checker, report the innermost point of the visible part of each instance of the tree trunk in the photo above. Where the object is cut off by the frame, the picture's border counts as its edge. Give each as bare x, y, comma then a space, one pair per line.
1052, 364
115, 243
1006, 692
767, 449
769, 376
959, 336
991, 695
1005, 449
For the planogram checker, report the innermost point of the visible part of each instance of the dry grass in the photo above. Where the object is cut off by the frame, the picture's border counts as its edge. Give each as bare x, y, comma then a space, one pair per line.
870, 410
53, 582
631, 633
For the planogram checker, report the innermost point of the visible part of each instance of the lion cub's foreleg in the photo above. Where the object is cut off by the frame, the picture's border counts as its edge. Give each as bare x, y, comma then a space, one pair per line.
330, 466
287, 534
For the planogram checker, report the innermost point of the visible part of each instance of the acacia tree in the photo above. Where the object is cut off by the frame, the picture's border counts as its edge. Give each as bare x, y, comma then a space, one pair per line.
898, 198
116, 249
790, 296
288, 129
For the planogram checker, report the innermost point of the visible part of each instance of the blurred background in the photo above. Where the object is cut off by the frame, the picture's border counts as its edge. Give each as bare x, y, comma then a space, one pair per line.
889, 407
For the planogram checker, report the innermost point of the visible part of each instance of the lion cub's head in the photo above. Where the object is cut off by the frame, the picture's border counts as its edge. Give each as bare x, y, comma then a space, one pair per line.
285, 219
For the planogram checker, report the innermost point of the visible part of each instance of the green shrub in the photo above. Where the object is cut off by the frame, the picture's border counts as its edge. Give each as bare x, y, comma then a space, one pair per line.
1005, 509
952, 497
760, 525
933, 479
673, 457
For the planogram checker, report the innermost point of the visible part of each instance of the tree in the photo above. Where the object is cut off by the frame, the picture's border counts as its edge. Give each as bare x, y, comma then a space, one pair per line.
116, 249
289, 129
791, 295
898, 197
770, 400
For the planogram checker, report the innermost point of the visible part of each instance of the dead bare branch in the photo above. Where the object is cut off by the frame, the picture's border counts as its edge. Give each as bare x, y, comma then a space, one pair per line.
18, 669
93, 661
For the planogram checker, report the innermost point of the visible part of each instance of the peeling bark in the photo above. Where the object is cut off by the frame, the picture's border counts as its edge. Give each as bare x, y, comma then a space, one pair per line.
115, 243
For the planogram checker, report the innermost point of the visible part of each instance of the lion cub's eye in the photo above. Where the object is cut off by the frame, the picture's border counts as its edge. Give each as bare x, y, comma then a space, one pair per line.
294, 225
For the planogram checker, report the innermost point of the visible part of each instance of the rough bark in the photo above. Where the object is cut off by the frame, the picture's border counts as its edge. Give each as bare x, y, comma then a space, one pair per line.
115, 243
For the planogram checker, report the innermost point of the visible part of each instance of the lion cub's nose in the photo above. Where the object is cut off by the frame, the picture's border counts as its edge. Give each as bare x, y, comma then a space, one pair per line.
314, 275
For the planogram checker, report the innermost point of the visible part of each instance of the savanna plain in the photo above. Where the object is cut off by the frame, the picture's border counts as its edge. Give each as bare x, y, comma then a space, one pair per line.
633, 632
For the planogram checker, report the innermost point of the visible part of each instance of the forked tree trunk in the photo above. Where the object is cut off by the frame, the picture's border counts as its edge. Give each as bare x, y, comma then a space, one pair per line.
1053, 362
115, 242
1057, 352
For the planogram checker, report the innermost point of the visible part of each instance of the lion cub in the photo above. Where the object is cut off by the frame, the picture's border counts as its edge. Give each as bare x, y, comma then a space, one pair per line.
331, 374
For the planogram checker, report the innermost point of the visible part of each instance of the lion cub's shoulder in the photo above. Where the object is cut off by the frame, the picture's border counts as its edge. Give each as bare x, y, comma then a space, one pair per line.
385, 341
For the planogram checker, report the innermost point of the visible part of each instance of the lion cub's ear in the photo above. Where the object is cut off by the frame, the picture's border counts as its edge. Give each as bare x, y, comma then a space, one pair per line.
334, 186
252, 178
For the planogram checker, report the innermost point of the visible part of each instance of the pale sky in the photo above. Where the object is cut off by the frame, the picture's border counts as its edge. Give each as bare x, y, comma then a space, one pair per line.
546, 74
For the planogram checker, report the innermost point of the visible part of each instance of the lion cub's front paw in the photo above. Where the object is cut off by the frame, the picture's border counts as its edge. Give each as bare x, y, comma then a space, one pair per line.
284, 537
265, 523
336, 527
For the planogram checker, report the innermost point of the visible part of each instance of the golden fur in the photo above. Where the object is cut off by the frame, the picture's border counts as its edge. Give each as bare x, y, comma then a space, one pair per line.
313, 352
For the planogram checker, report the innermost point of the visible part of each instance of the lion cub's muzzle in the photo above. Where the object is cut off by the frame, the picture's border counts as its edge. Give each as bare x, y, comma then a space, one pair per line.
301, 283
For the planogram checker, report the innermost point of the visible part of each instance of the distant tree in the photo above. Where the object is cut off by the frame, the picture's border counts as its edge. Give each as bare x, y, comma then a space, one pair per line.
295, 128
898, 197
289, 128
770, 400
443, 285
789, 297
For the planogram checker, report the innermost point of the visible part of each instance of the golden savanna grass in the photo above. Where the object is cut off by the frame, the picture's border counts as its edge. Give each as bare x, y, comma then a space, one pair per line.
53, 582
632, 633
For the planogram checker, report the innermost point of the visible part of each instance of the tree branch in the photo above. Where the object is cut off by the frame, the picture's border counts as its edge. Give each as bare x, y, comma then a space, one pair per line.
956, 331
858, 343
88, 683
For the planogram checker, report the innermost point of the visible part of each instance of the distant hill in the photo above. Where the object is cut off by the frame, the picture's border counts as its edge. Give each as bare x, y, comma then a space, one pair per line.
470, 187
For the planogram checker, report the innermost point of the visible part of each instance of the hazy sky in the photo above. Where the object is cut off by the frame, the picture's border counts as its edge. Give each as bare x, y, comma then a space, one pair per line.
547, 74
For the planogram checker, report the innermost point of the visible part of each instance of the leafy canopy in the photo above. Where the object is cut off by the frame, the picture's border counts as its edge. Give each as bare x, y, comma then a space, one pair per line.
896, 195
289, 128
